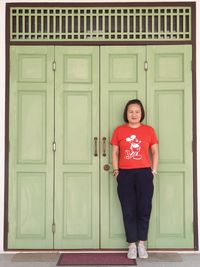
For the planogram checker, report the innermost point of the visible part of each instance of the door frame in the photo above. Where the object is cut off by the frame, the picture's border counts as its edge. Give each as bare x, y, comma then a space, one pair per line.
121, 43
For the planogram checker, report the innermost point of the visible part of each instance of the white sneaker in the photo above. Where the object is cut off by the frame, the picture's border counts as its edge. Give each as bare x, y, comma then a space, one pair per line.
132, 252
142, 252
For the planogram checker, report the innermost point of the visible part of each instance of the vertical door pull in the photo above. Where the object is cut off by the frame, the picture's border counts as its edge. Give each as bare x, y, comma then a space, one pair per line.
104, 146
95, 146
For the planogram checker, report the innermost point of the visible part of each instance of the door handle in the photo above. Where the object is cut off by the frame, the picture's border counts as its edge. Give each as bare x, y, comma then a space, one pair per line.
104, 146
95, 146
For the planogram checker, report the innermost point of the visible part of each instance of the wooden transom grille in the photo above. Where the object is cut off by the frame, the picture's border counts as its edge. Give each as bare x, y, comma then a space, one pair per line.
100, 24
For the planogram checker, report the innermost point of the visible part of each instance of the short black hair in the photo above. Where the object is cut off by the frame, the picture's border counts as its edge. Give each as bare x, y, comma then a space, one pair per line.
134, 101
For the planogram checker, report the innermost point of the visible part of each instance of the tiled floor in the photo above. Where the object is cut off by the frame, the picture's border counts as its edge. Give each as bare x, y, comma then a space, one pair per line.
184, 260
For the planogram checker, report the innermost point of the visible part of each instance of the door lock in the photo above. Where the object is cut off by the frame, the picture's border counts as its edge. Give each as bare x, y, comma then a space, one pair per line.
106, 167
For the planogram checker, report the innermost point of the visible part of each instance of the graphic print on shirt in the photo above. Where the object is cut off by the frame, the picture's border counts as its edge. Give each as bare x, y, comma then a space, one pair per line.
134, 152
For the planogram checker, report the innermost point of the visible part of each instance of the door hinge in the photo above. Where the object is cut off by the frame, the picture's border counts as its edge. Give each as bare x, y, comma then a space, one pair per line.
53, 227
145, 65
54, 66
54, 146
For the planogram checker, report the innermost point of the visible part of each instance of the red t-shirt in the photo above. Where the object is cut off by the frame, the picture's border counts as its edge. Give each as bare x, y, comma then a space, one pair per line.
134, 144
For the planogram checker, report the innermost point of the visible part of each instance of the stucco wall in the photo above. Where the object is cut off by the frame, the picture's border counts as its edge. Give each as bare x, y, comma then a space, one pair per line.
2, 96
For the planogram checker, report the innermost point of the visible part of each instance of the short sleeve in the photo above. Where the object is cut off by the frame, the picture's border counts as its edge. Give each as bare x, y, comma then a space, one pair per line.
154, 139
114, 140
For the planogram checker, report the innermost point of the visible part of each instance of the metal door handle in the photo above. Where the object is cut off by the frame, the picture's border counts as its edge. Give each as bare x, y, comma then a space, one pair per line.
104, 146
95, 146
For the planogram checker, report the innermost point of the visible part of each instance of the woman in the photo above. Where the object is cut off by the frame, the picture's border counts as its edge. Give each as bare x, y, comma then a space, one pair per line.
134, 172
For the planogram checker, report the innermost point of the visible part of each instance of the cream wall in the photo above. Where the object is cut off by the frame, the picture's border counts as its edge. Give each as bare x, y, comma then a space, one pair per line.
198, 109
2, 116
2, 94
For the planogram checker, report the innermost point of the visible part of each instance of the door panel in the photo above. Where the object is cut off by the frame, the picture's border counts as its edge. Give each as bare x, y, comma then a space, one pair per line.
76, 167
122, 79
169, 94
30, 158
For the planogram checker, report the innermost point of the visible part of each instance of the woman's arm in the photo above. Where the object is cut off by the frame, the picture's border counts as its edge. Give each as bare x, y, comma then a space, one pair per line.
154, 152
115, 159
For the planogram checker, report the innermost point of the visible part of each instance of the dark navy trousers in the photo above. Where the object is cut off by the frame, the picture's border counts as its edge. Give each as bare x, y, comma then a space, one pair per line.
135, 191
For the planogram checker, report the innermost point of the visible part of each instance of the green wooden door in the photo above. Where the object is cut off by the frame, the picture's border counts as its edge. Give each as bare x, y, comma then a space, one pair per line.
30, 157
76, 135
122, 78
161, 77
169, 109
77, 104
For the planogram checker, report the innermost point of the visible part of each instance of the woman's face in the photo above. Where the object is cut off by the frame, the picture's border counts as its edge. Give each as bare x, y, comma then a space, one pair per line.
134, 113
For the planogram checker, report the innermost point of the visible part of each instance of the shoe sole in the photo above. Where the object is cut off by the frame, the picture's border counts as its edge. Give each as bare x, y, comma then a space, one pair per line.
144, 257
132, 258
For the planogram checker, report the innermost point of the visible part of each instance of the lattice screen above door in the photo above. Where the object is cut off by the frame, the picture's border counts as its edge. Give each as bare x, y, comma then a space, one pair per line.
100, 24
